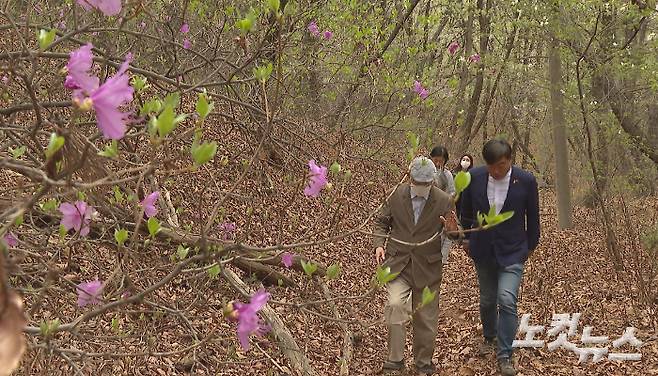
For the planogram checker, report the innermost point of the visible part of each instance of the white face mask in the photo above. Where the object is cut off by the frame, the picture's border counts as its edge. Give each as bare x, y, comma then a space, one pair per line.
465, 163
421, 190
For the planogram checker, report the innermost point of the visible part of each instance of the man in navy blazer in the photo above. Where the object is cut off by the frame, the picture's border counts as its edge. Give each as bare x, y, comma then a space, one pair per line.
499, 253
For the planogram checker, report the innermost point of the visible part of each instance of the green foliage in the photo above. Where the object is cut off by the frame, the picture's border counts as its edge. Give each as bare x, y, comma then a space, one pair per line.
46, 38
428, 296
309, 267
333, 271
384, 275
154, 226
111, 150
56, 142
121, 235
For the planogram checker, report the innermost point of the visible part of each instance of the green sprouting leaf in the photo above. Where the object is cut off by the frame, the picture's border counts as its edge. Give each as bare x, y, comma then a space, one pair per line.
118, 195
492, 212
480, 218
152, 106
498, 219
203, 107
18, 221
247, 24
47, 328
428, 296
182, 252
202, 153
274, 5
115, 324
62, 231
49, 205
56, 142
172, 99
167, 121
384, 275
309, 267
262, 73
462, 181
81, 196
139, 83
46, 38
111, 150
214, 271
18, 152
333, 271
335, 168
153, 225
121, 235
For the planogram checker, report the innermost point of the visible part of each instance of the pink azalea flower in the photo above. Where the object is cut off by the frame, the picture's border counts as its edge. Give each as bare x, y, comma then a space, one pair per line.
317, 181
78, 68
227, 229
420, 90
89, 292
327, 34
106, 99
142, 25
149, 204
185, 28
286, 259
107, 7
76, 216
314, 29
453, 47
248, 321
187, 44
475, 58
11, 240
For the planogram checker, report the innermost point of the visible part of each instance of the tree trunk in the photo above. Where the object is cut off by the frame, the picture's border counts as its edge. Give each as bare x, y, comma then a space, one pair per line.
559, 138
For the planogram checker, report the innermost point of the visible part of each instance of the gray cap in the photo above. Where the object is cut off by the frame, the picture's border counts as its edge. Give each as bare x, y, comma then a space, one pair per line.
422, 170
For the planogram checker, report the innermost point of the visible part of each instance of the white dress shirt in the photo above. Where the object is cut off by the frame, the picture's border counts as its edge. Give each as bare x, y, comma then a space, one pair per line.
418, 203
497, 191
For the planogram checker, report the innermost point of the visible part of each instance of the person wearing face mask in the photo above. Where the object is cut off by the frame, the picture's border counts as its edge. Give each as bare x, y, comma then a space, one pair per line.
444, 181
408, 231
500, 253
465, 165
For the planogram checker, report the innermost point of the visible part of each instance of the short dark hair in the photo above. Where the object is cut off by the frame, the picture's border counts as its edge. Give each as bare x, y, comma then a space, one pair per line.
440, 151
495, 150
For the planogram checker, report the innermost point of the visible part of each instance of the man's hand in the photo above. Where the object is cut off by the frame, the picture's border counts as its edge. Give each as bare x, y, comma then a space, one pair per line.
450, 224
380, 255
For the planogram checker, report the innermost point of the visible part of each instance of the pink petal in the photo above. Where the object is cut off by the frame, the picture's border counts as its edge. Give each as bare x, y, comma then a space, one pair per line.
78, 67
106, 100
185, 28
11, 240
317, 181
148, 203
88, 292
187, 44
418, 86
107, 7
286, 259
327, 34
71, 218
313, 28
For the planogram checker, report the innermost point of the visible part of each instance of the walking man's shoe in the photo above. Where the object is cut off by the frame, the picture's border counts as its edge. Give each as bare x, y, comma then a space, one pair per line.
390, 366
506, 367
488, 346
426, 370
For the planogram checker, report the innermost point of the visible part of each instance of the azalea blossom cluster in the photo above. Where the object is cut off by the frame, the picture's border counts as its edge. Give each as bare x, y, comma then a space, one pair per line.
420, 90
107, 7
246, 314
105, 99
314, 29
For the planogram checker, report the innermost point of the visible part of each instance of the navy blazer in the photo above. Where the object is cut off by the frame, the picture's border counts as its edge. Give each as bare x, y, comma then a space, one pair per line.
511, 241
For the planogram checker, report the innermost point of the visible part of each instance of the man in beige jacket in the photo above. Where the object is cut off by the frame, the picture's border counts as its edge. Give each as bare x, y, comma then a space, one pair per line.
413, 219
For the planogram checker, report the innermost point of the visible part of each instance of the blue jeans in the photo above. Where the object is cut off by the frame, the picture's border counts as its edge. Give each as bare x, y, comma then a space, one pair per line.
499, 291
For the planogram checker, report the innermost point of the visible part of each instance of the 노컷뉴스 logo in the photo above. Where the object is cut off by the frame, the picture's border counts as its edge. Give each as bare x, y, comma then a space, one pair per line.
565, 325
